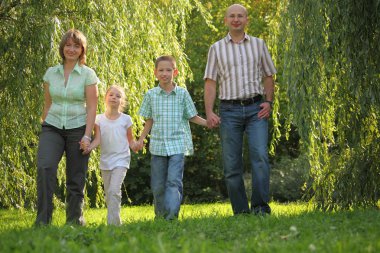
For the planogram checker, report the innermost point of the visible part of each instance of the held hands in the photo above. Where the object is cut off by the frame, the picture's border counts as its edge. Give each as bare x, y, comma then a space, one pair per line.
85, 146
136, 146
213, 120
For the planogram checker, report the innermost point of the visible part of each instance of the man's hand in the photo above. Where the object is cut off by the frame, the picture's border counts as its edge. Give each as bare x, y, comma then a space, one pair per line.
213, 120
265, 110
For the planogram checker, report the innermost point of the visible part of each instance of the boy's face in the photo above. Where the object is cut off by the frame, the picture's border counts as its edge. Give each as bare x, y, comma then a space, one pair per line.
165, 72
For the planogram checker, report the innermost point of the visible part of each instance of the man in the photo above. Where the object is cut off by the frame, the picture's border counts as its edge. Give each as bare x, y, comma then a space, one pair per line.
243, 68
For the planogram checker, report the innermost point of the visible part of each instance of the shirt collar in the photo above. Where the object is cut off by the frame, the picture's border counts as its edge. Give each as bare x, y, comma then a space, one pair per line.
160, 90
228, 38
77, 68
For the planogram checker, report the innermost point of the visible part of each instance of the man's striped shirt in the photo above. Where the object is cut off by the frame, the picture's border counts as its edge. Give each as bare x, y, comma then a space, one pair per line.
239, 67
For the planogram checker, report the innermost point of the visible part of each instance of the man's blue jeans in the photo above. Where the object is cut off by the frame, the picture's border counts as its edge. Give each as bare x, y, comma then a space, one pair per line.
166, 184
236, 120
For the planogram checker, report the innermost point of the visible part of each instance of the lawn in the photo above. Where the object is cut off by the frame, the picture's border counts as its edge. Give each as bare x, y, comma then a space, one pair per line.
294, 227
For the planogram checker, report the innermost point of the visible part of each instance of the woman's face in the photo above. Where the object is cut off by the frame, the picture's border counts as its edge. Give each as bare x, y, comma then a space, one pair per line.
72, 50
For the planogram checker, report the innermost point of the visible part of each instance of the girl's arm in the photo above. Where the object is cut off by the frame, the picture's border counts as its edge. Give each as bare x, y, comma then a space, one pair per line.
131, 140
47, 102
199, 121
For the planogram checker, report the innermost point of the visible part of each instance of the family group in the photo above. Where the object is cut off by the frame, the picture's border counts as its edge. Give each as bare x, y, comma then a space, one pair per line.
239, 65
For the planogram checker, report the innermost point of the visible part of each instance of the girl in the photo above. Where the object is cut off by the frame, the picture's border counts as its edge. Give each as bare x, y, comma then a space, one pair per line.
71, 97
113, 131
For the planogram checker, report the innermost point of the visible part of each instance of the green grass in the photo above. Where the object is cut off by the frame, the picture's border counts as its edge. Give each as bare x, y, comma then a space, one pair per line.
201, 228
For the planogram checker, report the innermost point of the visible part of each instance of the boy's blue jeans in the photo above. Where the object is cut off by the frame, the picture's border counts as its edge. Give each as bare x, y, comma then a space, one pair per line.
236, 120
166, 184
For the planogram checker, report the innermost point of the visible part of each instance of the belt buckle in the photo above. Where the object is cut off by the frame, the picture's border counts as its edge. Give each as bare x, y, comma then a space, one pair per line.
246, 102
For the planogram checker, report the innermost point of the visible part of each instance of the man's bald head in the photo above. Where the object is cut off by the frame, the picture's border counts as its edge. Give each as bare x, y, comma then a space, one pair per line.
236, 7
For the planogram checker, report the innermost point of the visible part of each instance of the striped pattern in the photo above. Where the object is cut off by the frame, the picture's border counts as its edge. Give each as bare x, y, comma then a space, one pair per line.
68, 108
171, 112
239, 67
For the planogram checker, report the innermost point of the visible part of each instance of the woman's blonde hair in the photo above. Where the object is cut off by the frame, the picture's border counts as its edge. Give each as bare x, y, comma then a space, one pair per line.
78, 37
123, 101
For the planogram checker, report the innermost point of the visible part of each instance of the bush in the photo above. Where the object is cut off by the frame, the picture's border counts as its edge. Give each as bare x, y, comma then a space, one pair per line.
289, 178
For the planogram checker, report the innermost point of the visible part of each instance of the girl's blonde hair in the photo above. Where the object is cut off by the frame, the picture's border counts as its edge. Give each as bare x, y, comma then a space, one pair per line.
123, 100
78, 37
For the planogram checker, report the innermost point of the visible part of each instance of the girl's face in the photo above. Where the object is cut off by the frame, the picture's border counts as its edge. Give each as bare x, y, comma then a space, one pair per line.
72, 50
113, 98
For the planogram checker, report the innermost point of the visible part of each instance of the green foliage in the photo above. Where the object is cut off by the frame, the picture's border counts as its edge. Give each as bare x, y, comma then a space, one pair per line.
327, 92
331, 80
124, 37
201, 228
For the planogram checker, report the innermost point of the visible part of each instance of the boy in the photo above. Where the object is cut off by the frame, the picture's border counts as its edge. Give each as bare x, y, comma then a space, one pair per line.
168, 109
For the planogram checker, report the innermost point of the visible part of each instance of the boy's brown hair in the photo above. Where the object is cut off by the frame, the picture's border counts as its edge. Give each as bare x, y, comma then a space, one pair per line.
168, 58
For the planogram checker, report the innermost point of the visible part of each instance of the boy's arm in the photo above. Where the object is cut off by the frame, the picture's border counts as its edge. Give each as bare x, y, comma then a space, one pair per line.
147, 127
199, 121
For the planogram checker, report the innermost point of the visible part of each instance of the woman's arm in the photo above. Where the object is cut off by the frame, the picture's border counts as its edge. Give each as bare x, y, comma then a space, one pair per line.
91, 106
47, 102
96, 142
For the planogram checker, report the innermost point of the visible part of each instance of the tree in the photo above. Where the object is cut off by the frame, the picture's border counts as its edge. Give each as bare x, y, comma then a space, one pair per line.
124, 38
331, 80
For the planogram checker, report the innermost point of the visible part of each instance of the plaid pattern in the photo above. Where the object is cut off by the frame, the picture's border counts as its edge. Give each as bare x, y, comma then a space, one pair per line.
68, 108
239, 67
171, 112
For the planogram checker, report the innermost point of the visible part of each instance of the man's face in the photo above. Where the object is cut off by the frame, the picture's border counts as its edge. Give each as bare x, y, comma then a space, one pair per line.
236, 18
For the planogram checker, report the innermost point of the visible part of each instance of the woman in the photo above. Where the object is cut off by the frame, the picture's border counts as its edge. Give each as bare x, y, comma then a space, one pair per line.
71, 97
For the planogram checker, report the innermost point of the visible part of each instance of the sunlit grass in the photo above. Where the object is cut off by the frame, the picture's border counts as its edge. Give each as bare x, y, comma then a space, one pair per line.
293, 227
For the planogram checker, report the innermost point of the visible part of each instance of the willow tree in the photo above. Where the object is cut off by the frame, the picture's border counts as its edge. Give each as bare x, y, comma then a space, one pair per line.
331, 78
124, 37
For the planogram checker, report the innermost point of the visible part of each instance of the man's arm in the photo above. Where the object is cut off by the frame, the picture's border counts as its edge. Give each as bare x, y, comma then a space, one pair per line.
268, 88
269, 92
213, 120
